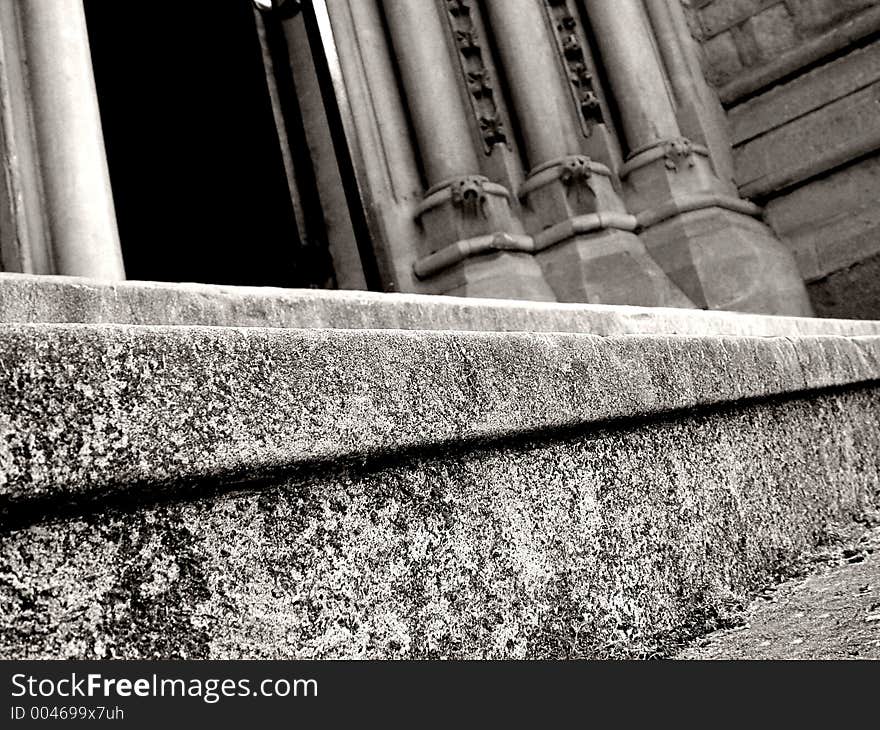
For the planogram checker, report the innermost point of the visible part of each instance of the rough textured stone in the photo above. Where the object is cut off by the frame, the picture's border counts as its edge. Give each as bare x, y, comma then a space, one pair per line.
831, 614
255, 492
617, 541
850, 292
815, 143
25, 298
773, 31
723, 58
718, 16
831, 224
90, 410
773, 40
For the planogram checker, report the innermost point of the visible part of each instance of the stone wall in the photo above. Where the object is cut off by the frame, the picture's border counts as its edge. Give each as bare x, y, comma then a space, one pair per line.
801, 82
612, 542
745, 36
260, 492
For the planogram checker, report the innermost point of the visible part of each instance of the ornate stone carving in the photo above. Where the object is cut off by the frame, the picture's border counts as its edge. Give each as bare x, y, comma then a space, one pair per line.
469, 195
575, 170
476, 74
677, 152
576, 176
492, 129
574, 59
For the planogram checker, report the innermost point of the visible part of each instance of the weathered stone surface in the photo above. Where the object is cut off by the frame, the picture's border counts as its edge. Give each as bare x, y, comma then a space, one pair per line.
255, 492
727, 260
773, 31
722, 57
25, 298
91, 410
832, 613
804, 148
818, 87
609, 267
773, 39
831, 223
850, 292
614, 541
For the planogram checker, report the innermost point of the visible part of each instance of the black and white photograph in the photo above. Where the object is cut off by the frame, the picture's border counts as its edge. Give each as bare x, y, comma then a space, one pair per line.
510, 335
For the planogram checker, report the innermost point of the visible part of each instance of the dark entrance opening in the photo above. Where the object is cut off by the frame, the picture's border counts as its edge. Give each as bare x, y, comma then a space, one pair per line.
195, 163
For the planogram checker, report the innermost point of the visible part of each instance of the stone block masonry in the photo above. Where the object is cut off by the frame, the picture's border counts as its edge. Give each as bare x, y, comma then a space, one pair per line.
227, 492
743, 35
801, 82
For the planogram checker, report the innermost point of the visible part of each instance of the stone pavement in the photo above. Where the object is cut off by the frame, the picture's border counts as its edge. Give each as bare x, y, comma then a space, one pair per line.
833, 613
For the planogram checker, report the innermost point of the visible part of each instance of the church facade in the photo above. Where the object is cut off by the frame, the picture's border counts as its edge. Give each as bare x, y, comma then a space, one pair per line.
429, 328
560, 151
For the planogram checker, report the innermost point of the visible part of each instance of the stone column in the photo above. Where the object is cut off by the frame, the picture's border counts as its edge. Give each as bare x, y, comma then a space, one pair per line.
543, 106
430, 82
700, 115
69, 140
473, 237
631, 62
705, 238
584, 235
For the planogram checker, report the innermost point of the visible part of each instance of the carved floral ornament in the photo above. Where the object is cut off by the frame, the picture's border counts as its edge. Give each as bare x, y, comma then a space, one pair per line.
476, 74
574, 58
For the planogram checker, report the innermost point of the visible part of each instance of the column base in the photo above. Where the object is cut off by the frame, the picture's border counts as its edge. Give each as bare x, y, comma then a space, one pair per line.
501, 275
609, 267
722, 259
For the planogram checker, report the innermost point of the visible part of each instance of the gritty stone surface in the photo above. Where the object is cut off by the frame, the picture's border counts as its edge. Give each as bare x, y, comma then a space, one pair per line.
762, 31
87, 411
25, 298
833, 223
723, 58
722, 14
618, 541
833, 613
850, 292
773, 31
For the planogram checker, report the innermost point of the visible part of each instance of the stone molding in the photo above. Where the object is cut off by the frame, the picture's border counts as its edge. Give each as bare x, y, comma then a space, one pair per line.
27, 298
580, 225
691, 202
674, 152
456, 189
492, 243
166, 407
558, 169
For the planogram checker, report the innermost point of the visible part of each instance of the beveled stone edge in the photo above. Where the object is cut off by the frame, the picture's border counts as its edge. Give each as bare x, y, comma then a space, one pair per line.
166, 407
59, 299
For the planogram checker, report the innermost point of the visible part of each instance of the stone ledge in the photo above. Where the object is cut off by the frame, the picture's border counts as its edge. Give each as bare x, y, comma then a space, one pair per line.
25, 298
90, 410
619, 542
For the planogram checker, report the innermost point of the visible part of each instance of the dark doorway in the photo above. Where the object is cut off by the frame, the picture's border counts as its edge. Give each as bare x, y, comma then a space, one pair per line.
195, 163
